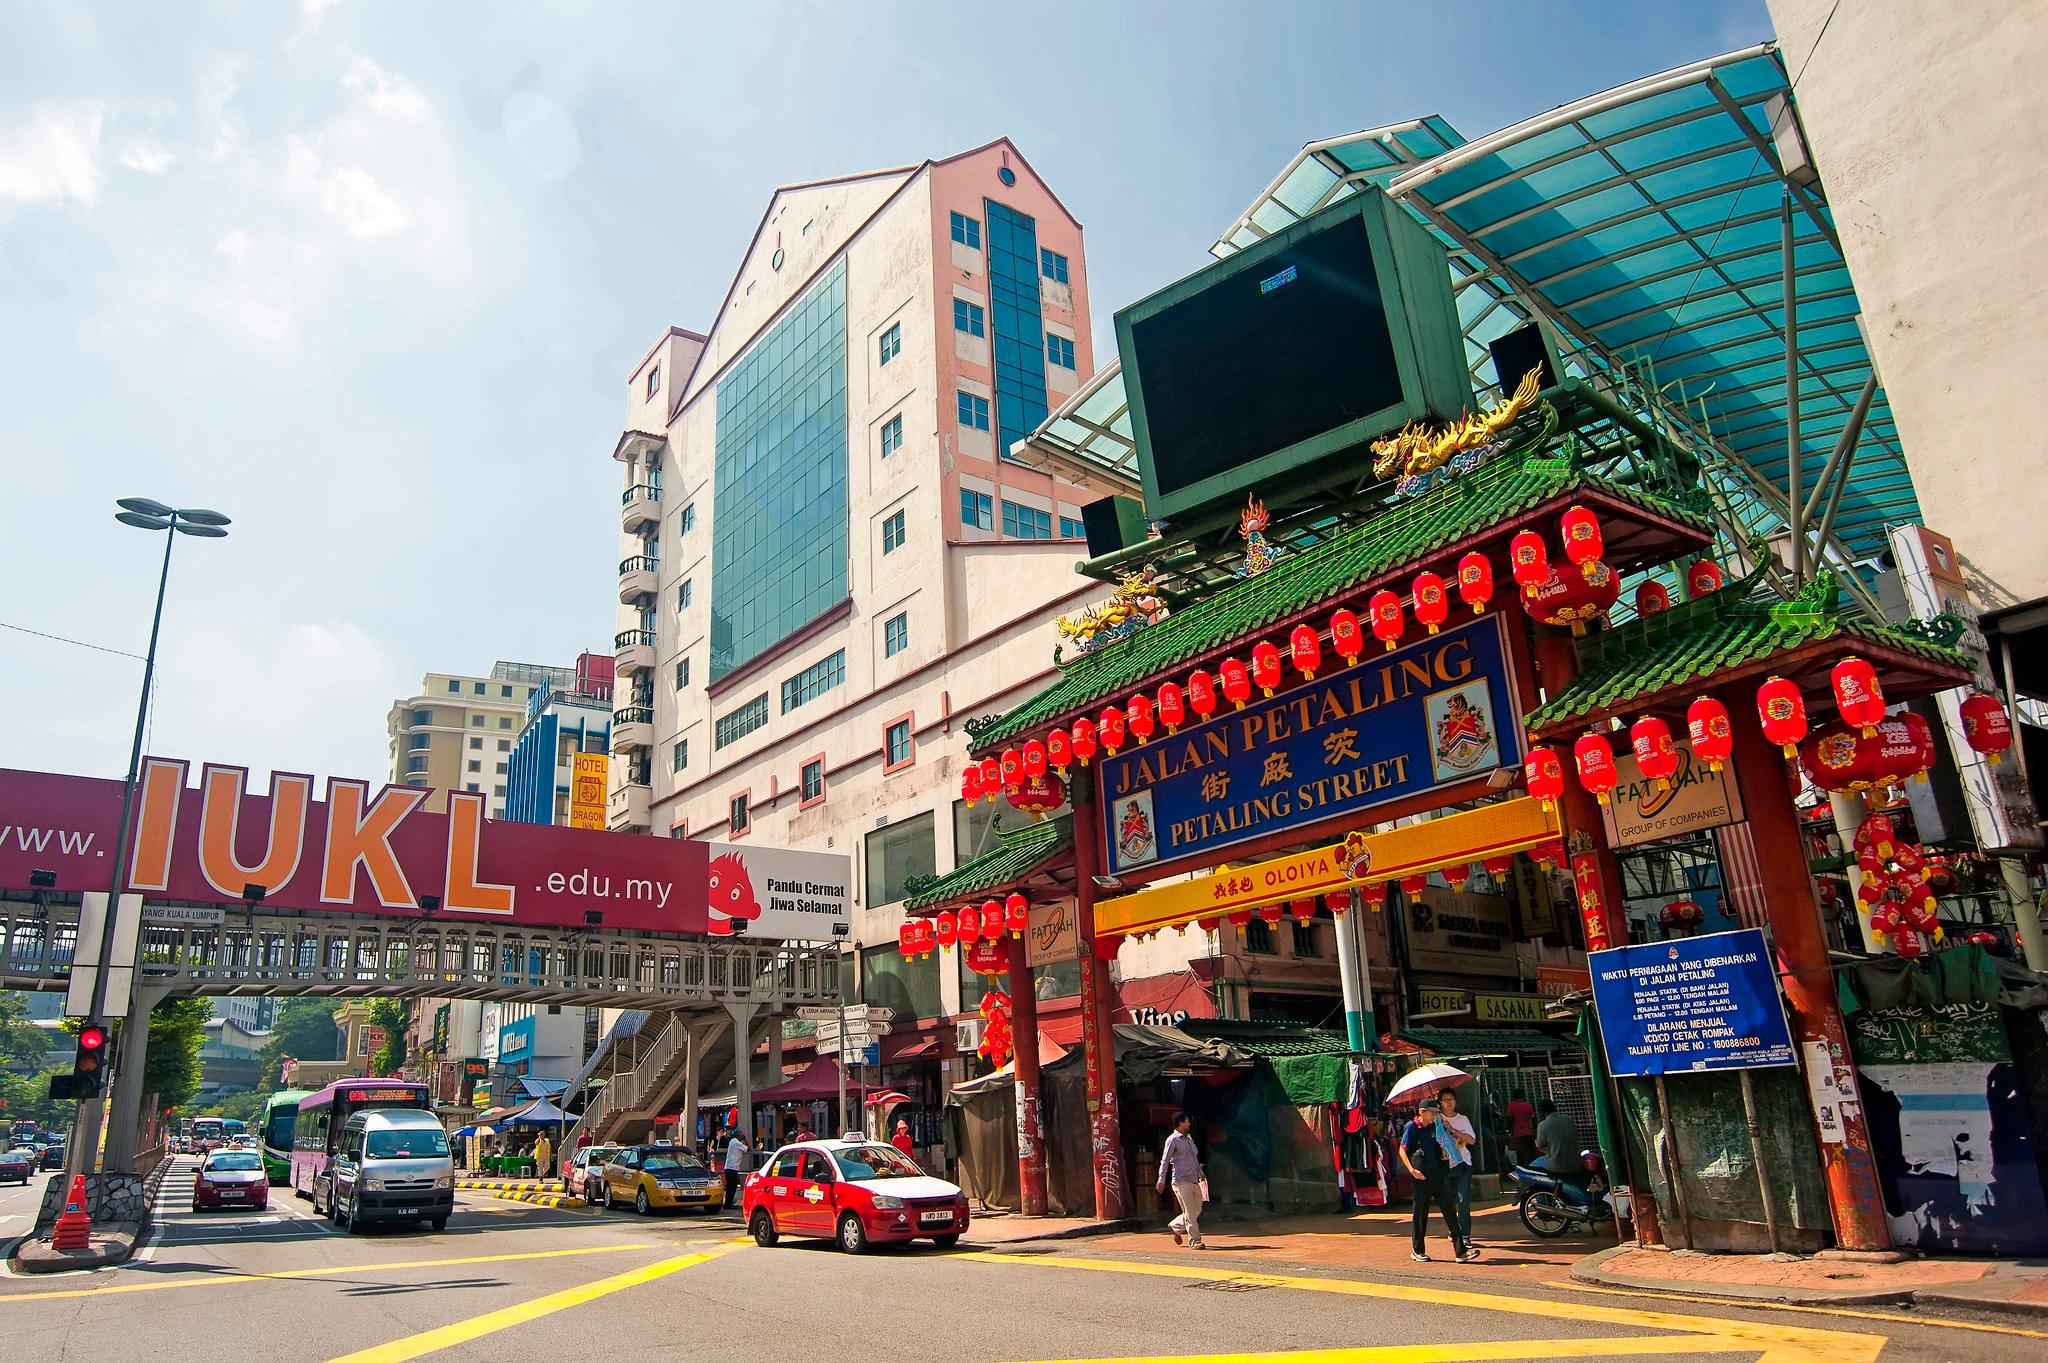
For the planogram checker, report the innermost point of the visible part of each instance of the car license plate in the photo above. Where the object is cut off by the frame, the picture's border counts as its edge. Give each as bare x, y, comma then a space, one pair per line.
935, 1219
405, 1211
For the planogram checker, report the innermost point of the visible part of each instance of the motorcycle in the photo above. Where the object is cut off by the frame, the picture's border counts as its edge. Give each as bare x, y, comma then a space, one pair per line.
1553, 1203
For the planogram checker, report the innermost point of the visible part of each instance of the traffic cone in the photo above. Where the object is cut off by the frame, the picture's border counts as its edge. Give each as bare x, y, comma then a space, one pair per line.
74, 1227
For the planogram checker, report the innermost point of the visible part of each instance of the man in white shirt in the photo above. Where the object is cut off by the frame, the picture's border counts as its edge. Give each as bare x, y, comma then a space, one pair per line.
1455, 1133
735, 1166
1181, 1167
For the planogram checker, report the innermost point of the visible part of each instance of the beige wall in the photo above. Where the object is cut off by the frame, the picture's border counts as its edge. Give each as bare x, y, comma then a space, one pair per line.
1925, 122
460, 718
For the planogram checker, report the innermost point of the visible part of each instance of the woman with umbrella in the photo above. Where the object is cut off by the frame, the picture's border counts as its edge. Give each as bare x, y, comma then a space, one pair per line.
1437, 1156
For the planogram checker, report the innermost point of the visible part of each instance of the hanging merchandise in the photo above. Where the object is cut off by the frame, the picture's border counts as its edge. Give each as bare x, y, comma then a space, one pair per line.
1986, 726
1138, 717
1876, 837
1306, 651
1781, 709
1016, 913
1595, 761
1857, 694
1706, 723
943, 929
1656, 754
1582, 542
1034, 760
1345, 636
1530, 559
1084, 741
1432, 607
1059, 750
1475, 581
1702, 577
1265, 666
1173, 711
1651, 598
1202, 695
1544, 775
1574, 599
1110, 728
1237, 684
1836, 757
997, 1045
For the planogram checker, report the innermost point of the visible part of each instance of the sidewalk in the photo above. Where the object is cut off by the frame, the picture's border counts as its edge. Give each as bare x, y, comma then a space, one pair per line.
1829, 1278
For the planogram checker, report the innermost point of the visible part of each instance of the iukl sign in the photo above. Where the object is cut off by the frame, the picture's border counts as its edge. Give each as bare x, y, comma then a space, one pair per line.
1691, 1004
1433, 714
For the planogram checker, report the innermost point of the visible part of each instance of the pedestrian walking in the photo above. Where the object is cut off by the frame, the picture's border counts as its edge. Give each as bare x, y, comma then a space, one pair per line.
543, 1158
1180, 1166
1522, 1129
1422, 1154
735, 1165
1455, 1134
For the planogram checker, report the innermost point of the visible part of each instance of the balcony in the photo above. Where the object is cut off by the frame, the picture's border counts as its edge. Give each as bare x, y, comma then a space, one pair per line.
632, 728
628, 809
638, 506
633, 650
636, 578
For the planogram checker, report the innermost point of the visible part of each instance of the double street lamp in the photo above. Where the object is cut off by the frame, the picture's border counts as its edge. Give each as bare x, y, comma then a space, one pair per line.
143, 514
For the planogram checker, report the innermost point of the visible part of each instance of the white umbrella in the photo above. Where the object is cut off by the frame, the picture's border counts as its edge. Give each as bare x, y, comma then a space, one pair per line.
1425, 1081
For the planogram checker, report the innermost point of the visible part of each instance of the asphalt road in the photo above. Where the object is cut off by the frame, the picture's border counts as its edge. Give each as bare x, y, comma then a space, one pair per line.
508, 1280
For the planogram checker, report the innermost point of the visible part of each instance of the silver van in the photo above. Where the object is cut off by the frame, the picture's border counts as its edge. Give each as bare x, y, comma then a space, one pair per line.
392, 1165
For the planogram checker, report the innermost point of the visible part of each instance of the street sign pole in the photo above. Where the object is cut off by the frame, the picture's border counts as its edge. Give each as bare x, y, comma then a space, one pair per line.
839, 1065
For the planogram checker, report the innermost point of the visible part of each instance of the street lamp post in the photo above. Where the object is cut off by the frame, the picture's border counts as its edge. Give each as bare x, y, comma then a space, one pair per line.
144, 514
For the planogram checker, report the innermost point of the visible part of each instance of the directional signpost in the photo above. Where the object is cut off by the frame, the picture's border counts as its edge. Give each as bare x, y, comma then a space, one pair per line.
852, 1032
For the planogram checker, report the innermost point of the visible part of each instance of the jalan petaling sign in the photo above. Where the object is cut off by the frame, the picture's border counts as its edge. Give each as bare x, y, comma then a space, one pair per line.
1431, 715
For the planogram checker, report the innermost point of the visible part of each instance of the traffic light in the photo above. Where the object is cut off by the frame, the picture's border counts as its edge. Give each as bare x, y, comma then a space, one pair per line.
89, 1065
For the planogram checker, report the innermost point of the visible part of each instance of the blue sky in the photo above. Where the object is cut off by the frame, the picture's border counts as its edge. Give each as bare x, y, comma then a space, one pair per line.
368, 277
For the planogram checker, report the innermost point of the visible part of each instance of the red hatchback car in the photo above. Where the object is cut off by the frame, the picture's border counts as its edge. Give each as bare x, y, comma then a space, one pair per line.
856, 1192
231, 1178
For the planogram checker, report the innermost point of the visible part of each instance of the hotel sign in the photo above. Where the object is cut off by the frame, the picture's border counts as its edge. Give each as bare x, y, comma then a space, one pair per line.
1434, 714
588, 783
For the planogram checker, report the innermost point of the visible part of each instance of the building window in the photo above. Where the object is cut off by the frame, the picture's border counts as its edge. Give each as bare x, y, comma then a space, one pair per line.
454, 688
476, 743
505, 721
504, 745
739, 818
977, 510
682, 673
687, 520
973, 411
892, 435
1071, 529
418, 763
476, 721
895, 635
498, 792
654, 381
423, 716
680, 754
969, 318
813, 779
474, 787
1258, 937
892, 342
1059, 351
897, 749
1016, 324
967, 231
814, 681
733, 727
1306, 943
478, 686
683, 595
897, 853
1052, 265
892, 533
1026, 522
505, 693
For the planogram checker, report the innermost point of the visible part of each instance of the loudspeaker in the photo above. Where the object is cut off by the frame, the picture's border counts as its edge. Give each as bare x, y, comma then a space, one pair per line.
1521, 350
1113, 523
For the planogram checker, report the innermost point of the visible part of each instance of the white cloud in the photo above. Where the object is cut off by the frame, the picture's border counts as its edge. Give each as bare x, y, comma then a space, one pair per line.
348, 194
147, 155
313, 11
390, 96
55, 155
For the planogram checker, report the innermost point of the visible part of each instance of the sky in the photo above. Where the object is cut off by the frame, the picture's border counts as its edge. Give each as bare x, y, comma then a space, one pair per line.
369, 277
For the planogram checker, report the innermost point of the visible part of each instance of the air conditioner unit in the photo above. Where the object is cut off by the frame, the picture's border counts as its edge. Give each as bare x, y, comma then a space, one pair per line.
967, 1035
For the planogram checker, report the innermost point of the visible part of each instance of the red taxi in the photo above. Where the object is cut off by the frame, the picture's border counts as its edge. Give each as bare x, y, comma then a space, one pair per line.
857, 1192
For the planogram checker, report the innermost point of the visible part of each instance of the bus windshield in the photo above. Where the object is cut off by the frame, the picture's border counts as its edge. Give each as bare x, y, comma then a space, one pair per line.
422, 1142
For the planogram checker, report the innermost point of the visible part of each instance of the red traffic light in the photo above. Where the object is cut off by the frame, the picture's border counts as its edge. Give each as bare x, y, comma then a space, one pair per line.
92, 1038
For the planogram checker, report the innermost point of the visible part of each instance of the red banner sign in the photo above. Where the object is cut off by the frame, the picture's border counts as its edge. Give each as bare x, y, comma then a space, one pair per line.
354, 851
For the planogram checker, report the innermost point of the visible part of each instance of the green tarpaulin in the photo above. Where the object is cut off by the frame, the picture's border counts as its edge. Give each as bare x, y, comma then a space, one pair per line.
1303, 1080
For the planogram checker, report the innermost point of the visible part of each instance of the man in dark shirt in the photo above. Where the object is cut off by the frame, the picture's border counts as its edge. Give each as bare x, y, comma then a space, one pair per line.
1422, 1153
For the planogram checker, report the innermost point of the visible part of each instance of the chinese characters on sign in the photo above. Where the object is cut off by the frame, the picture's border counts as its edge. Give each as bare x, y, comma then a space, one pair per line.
1701, 1003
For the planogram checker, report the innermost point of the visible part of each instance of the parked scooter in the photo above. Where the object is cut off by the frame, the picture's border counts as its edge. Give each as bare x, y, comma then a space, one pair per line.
1553, 1204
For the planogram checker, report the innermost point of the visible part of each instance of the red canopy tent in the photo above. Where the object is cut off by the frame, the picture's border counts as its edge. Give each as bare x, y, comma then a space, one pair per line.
819, 1079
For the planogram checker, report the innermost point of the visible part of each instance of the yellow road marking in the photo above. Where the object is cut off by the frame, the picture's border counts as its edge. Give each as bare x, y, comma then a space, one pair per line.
462, 1331
1850, 1311
1497, 1349
218, 1280
1776, 1343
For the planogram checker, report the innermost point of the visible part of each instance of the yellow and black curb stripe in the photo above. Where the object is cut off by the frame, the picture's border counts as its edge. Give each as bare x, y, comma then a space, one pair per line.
520, 1192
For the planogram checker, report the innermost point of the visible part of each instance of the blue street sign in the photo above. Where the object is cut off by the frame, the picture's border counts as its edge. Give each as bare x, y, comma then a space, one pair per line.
1699, 1003
868, 1055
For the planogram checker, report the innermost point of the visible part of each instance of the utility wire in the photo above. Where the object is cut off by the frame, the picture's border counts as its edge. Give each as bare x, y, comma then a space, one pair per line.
78, 643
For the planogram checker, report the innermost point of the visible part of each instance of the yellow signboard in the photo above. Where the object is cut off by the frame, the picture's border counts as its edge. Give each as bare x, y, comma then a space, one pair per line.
587, 790
1520, 1009
1437, 1002
1455, 839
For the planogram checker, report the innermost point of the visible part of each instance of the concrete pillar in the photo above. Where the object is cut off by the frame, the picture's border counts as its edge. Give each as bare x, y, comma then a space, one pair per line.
773, 1070
2026, 915
1030, 1116
1113, 1199
701, 1034
124, 1121
742, 1015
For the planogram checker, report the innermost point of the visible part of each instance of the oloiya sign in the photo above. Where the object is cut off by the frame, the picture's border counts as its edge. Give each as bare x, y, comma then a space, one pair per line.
354, 851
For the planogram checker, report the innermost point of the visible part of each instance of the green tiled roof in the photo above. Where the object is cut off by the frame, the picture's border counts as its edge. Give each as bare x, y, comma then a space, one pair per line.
1463, 509
1269, 1038
1457, 1041
1017, 854
1717, 633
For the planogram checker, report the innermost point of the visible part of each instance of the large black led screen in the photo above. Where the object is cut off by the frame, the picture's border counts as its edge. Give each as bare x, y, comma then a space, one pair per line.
1266, 358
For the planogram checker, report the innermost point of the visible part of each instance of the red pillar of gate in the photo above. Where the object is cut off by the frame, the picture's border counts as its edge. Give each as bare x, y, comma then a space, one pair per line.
1098, 1037
1850, 1169
1030, 1123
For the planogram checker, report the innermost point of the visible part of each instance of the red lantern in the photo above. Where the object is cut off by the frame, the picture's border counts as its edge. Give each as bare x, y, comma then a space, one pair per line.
1414, 885
967, 922
1582, 542
1475, 581
1202, 694
1681, 914
1652, 597
1240, 919
1110, 726
1039, 794
1656, 754
1876, 837
1138, 716
991, 921
1431, 605
1270, 914
1013, 768
1702, 577
991, 777
944, 929
1173, 711
1034, 760
1373, 896
1910, 859
1084, 741
1265, 666
1574, 598
1548, 855
1595, 761
1706, 721
921, 937
906, 941
1016, 914
1237, 686
970, 783
1209, 924
1857, 694
1530, 559
1907, 945
1545, 775
1986, 726
1385, 609
1497, 866
1837, 757
1059, 750
1345, 635
1303, 910
1306, 649
1782, 712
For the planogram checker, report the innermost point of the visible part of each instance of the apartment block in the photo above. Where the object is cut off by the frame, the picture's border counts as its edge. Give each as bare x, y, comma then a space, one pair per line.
457, 732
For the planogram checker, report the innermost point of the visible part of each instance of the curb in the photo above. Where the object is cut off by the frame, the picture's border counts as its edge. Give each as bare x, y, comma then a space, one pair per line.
1591, 1270
112, 1247
1093, 1228
509, 1193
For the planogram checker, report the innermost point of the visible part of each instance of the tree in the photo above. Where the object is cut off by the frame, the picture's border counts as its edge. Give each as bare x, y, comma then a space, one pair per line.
177, 1029
303, 1030
28, 1096
23, 1045
391, 1015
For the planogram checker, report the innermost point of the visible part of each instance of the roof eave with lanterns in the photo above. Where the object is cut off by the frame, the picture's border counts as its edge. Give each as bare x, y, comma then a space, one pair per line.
1036, 859
1477, 511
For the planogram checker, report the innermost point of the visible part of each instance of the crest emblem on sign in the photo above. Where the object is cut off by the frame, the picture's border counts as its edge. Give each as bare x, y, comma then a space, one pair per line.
1134, 835
1461, 731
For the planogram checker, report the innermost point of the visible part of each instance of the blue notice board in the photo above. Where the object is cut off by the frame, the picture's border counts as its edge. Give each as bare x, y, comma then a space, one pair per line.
1690, 1004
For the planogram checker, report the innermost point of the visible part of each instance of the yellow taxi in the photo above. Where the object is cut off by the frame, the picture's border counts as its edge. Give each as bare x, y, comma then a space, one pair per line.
651, 1178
